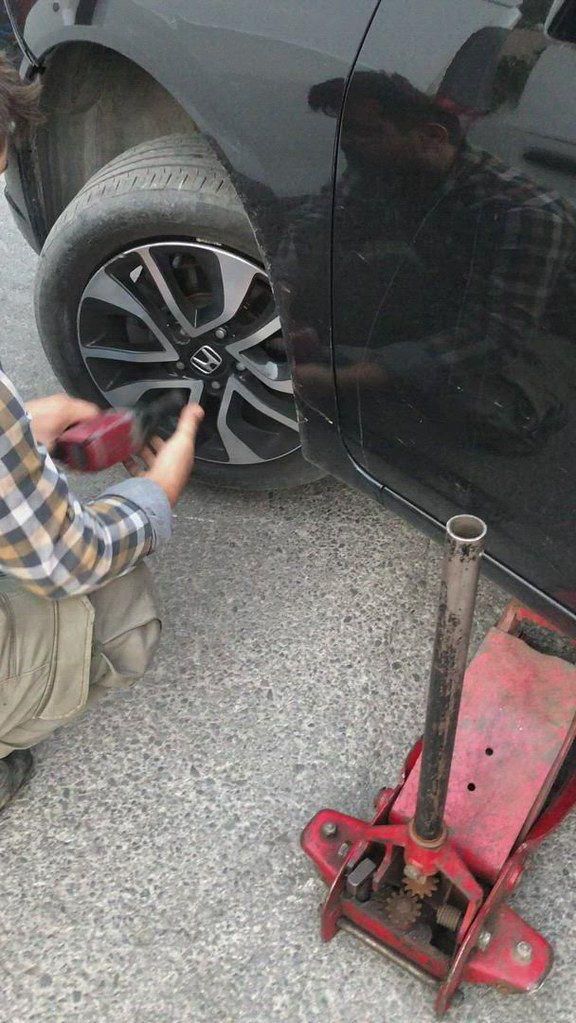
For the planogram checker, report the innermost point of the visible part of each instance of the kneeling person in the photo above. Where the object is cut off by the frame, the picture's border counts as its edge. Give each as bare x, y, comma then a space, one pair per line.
77, 612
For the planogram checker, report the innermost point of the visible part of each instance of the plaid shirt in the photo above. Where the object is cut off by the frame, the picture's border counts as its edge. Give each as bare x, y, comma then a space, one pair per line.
486, 261
50, 541
518, 253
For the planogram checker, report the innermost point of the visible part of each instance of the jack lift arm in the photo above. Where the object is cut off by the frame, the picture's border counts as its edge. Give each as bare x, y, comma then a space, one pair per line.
426, 881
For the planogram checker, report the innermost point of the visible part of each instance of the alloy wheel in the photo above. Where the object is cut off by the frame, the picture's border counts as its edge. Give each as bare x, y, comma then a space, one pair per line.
198, 321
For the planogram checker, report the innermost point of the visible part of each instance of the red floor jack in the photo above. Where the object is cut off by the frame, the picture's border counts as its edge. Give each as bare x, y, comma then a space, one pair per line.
426, 882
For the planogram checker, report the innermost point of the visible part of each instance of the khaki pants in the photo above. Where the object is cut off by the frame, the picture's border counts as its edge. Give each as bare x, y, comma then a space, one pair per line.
56, 656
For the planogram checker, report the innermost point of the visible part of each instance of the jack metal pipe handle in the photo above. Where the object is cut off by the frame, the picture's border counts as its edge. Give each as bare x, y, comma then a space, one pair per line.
464, 546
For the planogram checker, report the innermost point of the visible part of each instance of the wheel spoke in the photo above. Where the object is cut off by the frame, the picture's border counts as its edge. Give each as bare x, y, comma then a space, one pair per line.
237, 449
105, 288
172, 304
127, 355
236, 276
269, 404
239, 453
129, 394
275, 375
235, 348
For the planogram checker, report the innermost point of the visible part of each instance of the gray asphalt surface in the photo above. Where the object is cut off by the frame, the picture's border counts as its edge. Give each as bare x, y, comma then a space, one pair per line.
151, 871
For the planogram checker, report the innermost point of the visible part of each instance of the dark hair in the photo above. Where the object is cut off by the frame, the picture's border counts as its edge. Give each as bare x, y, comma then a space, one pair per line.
399, 101
19, 103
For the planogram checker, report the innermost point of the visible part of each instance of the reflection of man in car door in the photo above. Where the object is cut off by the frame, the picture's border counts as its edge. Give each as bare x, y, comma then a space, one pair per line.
467, 266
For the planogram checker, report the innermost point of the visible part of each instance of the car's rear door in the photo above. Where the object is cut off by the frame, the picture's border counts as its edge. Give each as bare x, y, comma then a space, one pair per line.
455, 274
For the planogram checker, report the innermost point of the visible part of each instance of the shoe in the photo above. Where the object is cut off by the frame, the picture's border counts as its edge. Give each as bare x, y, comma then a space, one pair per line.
15, 769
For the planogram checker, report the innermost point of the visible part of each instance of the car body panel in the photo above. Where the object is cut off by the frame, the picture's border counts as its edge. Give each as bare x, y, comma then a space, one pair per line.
223, 62
455, 299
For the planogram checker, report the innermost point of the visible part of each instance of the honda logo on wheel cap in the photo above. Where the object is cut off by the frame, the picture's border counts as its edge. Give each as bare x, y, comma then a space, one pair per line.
206, 360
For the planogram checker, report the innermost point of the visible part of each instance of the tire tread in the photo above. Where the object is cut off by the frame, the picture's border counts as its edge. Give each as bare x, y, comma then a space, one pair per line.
185, 163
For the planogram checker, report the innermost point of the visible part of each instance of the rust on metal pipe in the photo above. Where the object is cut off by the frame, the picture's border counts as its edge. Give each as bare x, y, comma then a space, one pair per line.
465, 536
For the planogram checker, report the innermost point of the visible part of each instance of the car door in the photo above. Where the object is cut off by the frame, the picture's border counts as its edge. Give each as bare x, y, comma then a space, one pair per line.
454, 269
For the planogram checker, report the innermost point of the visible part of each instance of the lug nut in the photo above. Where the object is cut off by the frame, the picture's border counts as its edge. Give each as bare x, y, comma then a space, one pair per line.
215, 385
329, 829
179, 365
523, 952
221, 333
240, 367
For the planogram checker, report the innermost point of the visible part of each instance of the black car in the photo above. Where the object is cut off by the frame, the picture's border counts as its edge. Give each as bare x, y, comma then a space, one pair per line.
346, 228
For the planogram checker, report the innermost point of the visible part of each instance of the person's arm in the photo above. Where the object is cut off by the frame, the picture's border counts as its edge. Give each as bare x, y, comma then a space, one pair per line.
58, 546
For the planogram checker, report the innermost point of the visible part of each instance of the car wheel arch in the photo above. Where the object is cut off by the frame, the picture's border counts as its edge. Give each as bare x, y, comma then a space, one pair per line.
139, 107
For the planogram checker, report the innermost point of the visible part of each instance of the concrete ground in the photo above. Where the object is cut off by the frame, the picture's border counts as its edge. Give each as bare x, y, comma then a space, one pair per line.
151, 871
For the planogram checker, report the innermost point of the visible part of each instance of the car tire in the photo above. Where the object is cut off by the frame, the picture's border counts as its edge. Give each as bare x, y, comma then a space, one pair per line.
170, 191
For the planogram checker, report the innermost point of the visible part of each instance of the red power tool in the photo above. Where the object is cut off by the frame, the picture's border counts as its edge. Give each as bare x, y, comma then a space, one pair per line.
115, 435
426, 881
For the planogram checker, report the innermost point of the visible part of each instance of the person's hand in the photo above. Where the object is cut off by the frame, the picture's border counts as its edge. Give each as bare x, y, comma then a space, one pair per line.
170, 462
51, 416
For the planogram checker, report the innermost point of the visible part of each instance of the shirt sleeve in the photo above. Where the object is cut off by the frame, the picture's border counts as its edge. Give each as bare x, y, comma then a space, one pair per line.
53, 543
506, 302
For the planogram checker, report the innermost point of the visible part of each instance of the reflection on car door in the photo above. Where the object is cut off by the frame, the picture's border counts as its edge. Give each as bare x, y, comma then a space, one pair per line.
455, 270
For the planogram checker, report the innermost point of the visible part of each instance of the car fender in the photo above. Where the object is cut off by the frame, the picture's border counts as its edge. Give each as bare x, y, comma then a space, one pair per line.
242, 72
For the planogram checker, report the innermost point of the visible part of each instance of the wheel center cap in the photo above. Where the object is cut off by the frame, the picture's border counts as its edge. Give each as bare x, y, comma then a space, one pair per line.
206, 360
